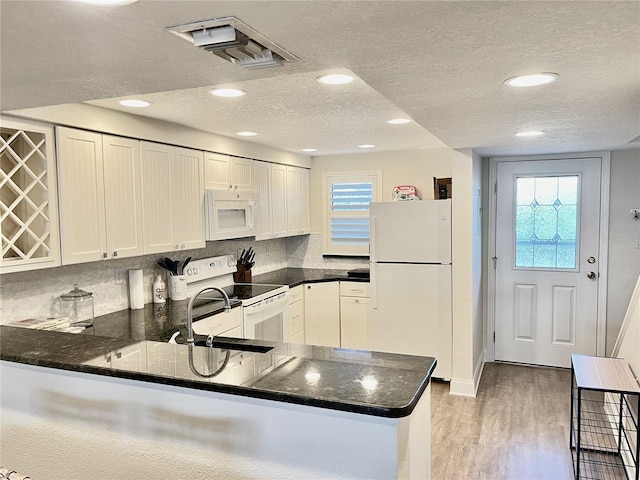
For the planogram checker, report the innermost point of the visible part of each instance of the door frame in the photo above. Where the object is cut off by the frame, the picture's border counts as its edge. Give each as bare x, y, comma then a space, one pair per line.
603, 249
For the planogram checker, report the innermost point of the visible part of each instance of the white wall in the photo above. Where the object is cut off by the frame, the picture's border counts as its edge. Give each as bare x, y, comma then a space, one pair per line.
467, 318
624, 235
408, 167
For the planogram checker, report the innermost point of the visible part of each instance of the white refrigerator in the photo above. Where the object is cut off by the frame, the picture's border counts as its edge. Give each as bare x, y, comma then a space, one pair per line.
410, 251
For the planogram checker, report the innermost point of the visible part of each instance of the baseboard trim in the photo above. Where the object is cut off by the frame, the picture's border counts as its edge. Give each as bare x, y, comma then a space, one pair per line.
468, 388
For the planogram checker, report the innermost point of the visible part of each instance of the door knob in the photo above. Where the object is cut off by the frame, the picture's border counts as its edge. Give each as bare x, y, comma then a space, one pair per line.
591, 260
591, 275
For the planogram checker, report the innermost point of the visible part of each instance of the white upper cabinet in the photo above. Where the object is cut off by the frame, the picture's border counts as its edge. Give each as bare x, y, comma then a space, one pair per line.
278, 200
81, 182
224, 172
122, 196
29, 236
262, 183
297, 188
187, 198
172, 198
100, 197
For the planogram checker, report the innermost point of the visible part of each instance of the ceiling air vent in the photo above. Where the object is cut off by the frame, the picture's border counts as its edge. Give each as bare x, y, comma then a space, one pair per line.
235, 41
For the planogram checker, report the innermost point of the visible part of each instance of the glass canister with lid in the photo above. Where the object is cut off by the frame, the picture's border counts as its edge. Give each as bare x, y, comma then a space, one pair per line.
77, 305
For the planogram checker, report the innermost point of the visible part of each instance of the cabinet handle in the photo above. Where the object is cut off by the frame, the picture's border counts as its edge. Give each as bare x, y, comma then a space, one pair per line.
175, 247
230, 187
105, 255
115, 254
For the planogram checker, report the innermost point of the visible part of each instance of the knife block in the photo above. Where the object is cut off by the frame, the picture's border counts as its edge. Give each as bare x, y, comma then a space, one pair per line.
242, 275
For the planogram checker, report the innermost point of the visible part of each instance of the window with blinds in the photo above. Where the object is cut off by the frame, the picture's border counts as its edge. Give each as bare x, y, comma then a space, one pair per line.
346, 231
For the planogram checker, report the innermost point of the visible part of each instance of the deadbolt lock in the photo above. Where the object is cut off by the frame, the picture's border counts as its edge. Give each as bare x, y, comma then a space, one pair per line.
591, 275
591, 260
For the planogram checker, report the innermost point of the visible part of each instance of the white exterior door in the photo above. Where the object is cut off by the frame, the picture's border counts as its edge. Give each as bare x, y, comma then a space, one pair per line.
547, 244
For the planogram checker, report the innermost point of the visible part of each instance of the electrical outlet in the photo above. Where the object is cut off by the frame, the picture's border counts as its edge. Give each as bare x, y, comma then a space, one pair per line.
119, 275
267, 249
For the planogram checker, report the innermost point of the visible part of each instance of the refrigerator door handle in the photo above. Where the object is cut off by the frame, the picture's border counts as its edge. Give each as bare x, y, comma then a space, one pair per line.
373, 221
374, 285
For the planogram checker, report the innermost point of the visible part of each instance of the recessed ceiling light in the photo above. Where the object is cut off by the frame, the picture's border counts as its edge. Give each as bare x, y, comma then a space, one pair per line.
134, 103
399, 121
530, 133
367, 145
116, 3
531, 80
247, 134
335, 79
309, 150
227, 92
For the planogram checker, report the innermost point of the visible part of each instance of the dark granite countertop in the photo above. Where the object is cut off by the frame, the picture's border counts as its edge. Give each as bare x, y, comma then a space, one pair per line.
371, 383
297, 276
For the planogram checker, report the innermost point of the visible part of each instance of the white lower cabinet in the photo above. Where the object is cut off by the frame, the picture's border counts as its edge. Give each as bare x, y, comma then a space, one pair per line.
322, 314
355, 315
296, 314
172, 198
227, 324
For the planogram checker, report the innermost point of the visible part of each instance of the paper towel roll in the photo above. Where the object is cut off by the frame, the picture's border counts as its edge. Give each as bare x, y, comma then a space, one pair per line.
136, 292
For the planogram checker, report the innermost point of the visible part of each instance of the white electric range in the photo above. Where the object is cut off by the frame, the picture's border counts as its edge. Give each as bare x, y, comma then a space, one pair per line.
265, 308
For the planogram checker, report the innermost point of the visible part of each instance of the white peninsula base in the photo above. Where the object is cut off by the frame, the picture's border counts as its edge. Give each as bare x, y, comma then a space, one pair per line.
60, 424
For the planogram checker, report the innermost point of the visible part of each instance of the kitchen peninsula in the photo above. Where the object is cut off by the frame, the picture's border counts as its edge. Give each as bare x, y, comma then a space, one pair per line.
88, 406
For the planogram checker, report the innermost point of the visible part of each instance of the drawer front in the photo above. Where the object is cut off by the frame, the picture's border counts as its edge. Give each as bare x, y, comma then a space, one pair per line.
296, 294
219, 323
355, 289
296, 318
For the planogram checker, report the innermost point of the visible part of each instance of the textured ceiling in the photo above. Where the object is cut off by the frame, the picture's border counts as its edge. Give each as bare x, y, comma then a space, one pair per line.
441, 63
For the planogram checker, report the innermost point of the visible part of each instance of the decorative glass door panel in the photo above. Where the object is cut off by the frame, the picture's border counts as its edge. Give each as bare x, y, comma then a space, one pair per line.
546, 222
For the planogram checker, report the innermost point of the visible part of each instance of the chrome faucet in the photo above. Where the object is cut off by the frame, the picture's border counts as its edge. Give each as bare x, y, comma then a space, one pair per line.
227, 308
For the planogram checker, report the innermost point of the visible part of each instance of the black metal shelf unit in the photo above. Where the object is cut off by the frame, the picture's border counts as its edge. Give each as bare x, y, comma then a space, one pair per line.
604, 438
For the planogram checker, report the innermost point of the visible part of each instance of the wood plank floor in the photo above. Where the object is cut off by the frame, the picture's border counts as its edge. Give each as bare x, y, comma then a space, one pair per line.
517, 428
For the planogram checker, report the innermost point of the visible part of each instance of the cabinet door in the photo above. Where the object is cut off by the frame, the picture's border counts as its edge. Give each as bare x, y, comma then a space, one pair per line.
81, 195
187, 199
122, 196
217, 171
156, 197
293, 203
278, 200
28, 179
298, 221
322, 314
296, 319
262, 183
242, 174
304, 221
355, 318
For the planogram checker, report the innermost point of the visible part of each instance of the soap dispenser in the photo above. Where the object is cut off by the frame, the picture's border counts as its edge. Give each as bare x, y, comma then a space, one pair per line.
159, 290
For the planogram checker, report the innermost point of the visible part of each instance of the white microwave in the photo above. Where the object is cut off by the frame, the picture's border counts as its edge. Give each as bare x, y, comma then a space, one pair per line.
230, 214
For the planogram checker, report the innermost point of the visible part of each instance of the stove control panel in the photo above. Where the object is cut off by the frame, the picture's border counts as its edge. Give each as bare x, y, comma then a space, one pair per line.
208, 268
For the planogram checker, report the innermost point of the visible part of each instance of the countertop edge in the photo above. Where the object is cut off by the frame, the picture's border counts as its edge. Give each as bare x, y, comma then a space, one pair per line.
377, 411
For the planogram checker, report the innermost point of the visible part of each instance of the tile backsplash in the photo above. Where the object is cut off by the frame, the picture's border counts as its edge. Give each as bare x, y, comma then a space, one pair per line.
36, 292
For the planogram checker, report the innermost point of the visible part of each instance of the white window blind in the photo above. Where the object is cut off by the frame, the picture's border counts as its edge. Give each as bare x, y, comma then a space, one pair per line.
347, 230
